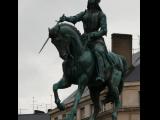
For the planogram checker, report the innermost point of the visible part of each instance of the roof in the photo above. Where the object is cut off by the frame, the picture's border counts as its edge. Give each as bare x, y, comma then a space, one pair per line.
134, 75
71, 97
34, 117
136, 59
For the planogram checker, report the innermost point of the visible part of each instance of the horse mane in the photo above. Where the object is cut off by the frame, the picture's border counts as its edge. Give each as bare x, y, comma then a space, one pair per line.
72, 27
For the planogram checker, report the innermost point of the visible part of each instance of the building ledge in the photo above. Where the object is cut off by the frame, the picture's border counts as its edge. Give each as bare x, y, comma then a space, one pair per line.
108, 113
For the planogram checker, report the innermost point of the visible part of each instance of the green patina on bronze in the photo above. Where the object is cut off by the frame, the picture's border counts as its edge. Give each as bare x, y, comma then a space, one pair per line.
87, 63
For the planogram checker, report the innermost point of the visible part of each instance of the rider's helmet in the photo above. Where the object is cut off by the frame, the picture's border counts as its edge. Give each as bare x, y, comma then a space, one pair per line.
95, 3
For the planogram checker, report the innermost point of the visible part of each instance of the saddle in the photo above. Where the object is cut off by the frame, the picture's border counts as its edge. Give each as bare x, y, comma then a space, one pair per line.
114, 60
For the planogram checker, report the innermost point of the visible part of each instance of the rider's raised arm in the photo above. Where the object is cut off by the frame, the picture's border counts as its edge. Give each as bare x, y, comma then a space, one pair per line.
103, 26
76, 18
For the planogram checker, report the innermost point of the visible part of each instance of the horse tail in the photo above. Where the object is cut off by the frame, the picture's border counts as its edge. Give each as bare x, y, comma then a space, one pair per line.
124, 71
125, 65
120, 87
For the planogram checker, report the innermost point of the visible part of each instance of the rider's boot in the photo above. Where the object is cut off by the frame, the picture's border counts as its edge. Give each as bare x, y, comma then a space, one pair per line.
110, 95
100, 68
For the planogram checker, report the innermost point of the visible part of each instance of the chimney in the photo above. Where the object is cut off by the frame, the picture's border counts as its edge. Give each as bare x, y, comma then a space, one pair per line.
122, 44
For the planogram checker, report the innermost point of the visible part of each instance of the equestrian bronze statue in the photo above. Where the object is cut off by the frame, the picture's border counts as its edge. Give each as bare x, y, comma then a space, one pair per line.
87, 63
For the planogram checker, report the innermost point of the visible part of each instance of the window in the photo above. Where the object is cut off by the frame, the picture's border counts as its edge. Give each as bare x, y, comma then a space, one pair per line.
102, 107
82, 113
56, 118
63, 116
92, 108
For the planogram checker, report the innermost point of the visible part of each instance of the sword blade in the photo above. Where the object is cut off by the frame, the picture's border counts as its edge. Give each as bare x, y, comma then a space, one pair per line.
44, 45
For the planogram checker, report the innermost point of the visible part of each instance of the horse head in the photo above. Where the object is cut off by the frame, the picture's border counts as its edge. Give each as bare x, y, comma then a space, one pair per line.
67, 40
60, 39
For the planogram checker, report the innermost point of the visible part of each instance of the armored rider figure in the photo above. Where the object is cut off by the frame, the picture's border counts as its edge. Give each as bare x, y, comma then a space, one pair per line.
95, 27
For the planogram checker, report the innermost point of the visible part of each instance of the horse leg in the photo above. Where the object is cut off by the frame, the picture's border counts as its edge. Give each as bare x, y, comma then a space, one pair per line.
116, 104
81, 86
95, 99
60, 85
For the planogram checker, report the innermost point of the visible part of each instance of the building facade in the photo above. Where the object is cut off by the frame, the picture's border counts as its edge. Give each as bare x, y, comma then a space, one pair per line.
130, 97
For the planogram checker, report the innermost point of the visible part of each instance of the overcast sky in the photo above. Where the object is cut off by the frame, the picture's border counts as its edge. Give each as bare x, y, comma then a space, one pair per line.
38, 72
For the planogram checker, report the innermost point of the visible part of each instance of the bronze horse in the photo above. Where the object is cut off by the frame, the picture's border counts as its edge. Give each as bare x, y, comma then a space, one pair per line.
79, 69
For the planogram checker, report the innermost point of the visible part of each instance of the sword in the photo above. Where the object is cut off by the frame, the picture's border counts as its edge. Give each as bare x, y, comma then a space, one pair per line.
47, 38
44, 45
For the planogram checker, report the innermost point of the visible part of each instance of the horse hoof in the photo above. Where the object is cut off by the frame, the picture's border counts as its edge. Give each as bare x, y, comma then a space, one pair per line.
57, 101
61, 106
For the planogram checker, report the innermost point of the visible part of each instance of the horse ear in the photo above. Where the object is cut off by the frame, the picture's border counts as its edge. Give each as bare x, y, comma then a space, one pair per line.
48, 29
